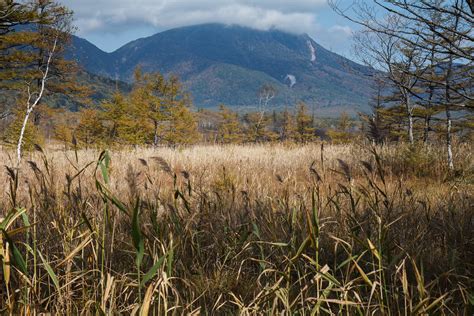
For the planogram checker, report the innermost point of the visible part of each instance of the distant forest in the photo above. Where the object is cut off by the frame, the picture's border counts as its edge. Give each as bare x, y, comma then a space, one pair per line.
422, 89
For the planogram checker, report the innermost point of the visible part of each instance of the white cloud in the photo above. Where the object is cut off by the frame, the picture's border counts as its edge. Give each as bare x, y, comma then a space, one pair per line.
337, 38
112, 23
90, 24
115, 15
342, 30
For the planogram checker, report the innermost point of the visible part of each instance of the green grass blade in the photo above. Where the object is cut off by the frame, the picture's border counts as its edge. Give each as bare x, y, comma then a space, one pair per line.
50, 271
152, 272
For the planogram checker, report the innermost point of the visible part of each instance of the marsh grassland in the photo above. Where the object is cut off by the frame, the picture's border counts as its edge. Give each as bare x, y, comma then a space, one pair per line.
254, 229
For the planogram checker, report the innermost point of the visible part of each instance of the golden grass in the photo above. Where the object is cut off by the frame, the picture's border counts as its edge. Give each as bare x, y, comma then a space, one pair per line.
252, 229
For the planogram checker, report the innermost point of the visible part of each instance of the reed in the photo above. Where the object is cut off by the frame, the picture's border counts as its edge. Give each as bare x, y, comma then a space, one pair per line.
251, 229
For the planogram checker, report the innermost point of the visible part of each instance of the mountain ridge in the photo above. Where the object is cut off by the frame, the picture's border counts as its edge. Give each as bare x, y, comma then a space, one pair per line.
227, 64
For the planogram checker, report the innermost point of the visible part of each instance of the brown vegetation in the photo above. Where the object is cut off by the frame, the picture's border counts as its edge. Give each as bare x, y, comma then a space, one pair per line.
254, 229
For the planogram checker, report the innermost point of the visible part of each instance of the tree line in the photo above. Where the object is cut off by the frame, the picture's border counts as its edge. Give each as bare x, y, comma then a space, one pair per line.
158, 112
421, 53
33, 69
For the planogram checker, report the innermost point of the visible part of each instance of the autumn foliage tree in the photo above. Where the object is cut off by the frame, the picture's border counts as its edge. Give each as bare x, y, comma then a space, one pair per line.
229, 129
288, 126
166, 107
33, 37
156, 112
304, 124
90, 130
341, 132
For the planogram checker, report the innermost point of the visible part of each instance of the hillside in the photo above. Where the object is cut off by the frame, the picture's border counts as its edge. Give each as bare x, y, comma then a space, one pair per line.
228, 64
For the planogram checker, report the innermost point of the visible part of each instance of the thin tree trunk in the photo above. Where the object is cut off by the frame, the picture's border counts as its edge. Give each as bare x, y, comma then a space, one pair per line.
431, 94
447, 92
427, 129
448, 116
31, 107
410, 117
22, 131
449, 139
155, 135
410, 128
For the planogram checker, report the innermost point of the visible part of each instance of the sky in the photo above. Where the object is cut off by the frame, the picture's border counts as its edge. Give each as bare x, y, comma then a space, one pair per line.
109, 24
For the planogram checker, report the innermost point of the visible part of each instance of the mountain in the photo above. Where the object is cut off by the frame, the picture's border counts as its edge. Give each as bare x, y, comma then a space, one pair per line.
228, 64
89, 56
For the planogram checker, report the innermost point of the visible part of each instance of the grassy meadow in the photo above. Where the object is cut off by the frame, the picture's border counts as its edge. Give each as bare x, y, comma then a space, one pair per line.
239, 229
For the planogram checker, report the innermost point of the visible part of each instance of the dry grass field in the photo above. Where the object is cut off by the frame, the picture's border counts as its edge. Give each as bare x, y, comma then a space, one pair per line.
254, 229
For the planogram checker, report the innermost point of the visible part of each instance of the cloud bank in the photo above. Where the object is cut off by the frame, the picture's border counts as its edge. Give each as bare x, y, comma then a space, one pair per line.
115, 15
111, 23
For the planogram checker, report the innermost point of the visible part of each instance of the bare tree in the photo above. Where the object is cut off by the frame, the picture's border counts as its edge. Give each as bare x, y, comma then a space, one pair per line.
434, 39
266, 93
397, 60
453, 39
420, 30
371, 16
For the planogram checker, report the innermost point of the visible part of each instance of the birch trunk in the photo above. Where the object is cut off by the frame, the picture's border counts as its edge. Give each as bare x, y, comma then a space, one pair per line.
447, 98
31, 106
449, 139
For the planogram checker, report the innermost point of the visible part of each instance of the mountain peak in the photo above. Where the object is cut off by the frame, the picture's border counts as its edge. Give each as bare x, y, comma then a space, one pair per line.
221, 63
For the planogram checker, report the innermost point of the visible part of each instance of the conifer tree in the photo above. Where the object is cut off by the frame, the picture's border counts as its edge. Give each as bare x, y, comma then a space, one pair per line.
454, 82
304, 124
341, 133
257, 127
229, 129
31, 61
25, 51
63, 133
163, 108
90, 130
147, 97
114, 116
12, 14
31, 133
437, 36
288, 126
64, 124
376, 129
182, 126
429, 77
125, 121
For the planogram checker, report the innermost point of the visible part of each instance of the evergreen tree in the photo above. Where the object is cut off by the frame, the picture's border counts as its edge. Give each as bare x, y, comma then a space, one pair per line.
156, 111
114, 116
341, 133
182, 126
90, 130
229, 129
304, 124
288, 126
12, 14
257, 127
31, 135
